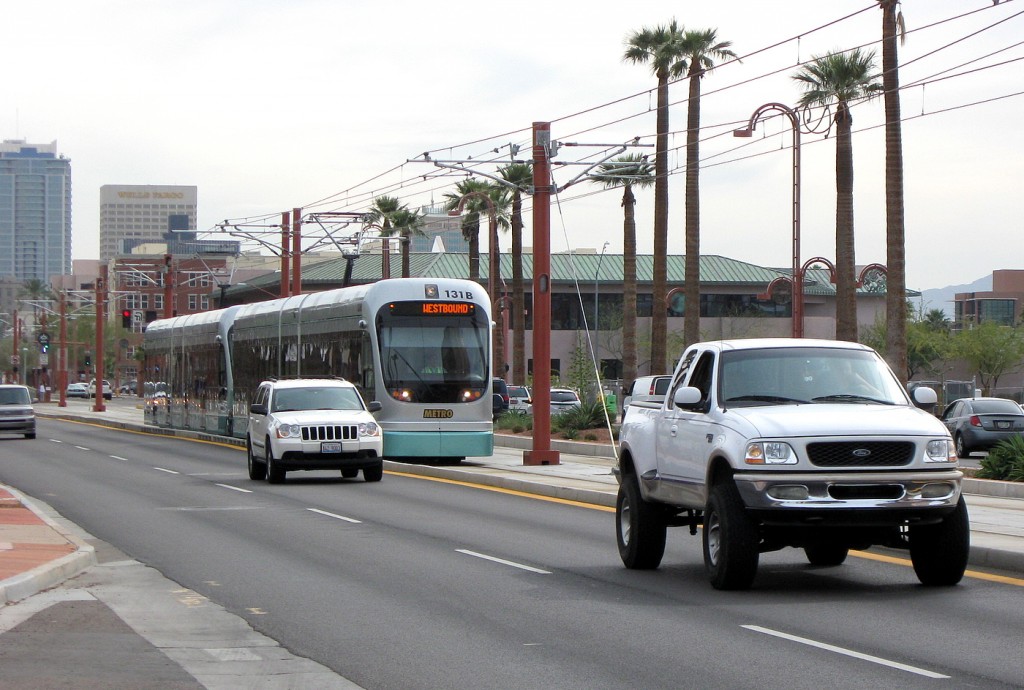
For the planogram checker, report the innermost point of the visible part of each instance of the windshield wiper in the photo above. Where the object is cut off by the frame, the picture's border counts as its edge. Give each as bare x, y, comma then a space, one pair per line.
766, 398
850, 397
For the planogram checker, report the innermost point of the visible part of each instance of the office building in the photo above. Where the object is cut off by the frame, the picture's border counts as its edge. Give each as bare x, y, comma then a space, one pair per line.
131, 215
35, 211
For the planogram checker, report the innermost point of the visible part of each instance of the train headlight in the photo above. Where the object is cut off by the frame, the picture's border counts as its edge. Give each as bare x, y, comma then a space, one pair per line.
402, 394
289, 431
369, 429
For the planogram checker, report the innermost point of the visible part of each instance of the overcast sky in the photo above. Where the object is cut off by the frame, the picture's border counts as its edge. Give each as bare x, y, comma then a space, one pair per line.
269, 105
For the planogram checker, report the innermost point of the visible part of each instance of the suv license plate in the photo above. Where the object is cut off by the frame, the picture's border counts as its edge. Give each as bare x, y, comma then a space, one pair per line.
332, 447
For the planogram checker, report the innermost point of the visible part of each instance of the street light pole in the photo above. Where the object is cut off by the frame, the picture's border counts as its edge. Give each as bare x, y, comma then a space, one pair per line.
797, 282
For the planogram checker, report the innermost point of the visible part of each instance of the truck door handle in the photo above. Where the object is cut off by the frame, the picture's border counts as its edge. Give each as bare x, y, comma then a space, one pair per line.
673, 429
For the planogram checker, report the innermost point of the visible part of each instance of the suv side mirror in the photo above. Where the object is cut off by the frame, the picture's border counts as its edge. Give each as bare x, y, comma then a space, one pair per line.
375, 406
258, 409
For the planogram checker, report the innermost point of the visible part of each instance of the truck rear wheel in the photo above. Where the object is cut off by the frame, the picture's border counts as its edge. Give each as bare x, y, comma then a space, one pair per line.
939, 552
730, 540
640, 529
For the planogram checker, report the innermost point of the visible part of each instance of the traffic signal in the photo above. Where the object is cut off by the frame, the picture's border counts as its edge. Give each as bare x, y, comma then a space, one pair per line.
88, 359
44, 348
126, 318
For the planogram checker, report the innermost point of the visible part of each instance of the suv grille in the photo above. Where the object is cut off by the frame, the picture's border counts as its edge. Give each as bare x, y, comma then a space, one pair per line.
330, 432
861, 453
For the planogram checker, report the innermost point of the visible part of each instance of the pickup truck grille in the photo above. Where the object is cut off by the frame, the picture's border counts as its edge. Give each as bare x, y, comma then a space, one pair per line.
861, 453
330, 432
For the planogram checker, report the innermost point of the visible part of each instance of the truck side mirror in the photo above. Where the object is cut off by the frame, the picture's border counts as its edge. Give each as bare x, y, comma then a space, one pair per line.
687, 397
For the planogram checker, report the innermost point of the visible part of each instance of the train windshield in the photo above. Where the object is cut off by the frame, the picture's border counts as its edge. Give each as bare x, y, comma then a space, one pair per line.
433, 352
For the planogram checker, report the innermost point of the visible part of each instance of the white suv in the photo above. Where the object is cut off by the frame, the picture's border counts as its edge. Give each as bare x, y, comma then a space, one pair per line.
313, 424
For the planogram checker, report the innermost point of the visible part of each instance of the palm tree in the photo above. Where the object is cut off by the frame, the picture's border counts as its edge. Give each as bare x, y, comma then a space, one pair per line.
382, 213
842, 78
895, 243
627, 171
700, 49
406, 223
662, 47
521, 176
471, 220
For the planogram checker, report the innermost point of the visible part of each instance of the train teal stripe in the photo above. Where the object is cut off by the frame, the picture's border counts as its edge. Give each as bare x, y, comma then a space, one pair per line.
428, 444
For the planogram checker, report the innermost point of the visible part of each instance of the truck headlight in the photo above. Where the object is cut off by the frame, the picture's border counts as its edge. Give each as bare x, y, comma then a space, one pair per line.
769, 453
289, 431
369, 429
940, 450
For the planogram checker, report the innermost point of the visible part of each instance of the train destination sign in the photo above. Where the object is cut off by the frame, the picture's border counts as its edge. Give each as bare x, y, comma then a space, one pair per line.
432, 308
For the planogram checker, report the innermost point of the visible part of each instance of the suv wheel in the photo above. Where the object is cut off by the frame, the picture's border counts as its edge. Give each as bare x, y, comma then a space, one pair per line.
257, 469
275, 475
374, 474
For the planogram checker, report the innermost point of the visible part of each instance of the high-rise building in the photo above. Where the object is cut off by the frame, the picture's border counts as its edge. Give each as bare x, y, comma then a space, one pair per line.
131, 215
35, 211
438, 224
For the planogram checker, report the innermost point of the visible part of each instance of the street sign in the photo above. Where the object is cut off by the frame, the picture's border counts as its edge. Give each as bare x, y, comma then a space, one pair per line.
44, 338
15, 360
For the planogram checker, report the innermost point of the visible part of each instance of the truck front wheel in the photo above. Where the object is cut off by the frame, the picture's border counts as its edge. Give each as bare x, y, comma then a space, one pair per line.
939, 552
730, 540
641, 530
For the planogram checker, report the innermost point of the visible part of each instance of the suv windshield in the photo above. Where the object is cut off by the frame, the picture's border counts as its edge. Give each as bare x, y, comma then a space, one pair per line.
316, 398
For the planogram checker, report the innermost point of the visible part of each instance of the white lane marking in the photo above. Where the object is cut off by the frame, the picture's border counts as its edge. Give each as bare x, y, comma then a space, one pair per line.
55, 440
503, 561
847, 652
161, 469
118, 457
234, 488
334, 515
81, 448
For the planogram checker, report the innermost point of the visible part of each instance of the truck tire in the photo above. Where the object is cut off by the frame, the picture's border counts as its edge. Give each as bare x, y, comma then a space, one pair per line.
826, 555
730, 540
257, 469
939, 552
640, 529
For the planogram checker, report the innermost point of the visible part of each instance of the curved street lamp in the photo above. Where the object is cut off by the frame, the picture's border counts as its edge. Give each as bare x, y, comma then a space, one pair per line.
797, 282
493, 272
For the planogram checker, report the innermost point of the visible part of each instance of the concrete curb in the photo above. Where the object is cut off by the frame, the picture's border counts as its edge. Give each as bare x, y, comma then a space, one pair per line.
50, 574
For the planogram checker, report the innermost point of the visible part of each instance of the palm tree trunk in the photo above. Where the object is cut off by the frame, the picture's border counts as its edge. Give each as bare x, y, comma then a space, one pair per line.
406, 241
659, 317
846, 290
628, 288
518, 316
895, 241
471, 230
691, 276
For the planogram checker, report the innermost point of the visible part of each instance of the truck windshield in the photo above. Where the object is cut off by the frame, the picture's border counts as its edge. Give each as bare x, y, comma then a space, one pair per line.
773, 376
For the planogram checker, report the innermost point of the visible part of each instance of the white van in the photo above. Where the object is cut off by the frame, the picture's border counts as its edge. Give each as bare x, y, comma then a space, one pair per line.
647, 389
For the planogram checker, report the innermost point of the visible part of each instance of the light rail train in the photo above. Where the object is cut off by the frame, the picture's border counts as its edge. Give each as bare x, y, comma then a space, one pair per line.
421, 347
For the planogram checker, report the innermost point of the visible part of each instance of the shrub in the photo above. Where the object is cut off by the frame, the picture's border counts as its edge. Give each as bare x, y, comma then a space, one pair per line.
586, 416
1005, 461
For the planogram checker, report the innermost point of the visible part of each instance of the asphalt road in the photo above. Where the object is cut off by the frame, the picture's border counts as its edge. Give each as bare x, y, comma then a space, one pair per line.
420, 583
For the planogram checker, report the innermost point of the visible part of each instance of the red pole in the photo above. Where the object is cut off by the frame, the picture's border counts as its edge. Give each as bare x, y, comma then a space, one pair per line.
101, 298
541, 453
62, 352
296, 251
285, 233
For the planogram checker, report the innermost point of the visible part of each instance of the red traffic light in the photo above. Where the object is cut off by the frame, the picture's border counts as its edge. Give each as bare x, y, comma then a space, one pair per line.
126, 313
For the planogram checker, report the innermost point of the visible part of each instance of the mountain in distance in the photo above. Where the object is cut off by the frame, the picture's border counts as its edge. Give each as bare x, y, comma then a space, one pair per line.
942, 298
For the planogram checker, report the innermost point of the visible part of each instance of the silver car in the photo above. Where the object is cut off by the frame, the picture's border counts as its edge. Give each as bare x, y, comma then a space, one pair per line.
980, 423
16, 413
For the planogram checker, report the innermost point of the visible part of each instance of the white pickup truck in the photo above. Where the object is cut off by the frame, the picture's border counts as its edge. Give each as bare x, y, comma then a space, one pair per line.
769, 443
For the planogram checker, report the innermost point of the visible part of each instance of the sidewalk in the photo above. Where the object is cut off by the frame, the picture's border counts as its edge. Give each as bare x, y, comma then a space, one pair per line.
35, 553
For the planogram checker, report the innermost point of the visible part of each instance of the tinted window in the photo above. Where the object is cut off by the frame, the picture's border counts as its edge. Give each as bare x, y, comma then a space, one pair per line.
996, 407
14, 396
563, 396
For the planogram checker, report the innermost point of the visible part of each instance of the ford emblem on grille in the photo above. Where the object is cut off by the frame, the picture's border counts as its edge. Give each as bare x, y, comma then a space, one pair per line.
862, 452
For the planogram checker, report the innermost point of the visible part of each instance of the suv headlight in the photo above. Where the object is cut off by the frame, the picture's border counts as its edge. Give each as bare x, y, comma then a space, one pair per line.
940, 450
289, 431
369, 429
769, 453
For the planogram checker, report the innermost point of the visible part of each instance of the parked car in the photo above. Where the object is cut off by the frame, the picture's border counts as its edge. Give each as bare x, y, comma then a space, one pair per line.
980, 423
107, 394
518, 398
77, 390
17, 415
562, 399
499, 397
646, 389
313, 424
